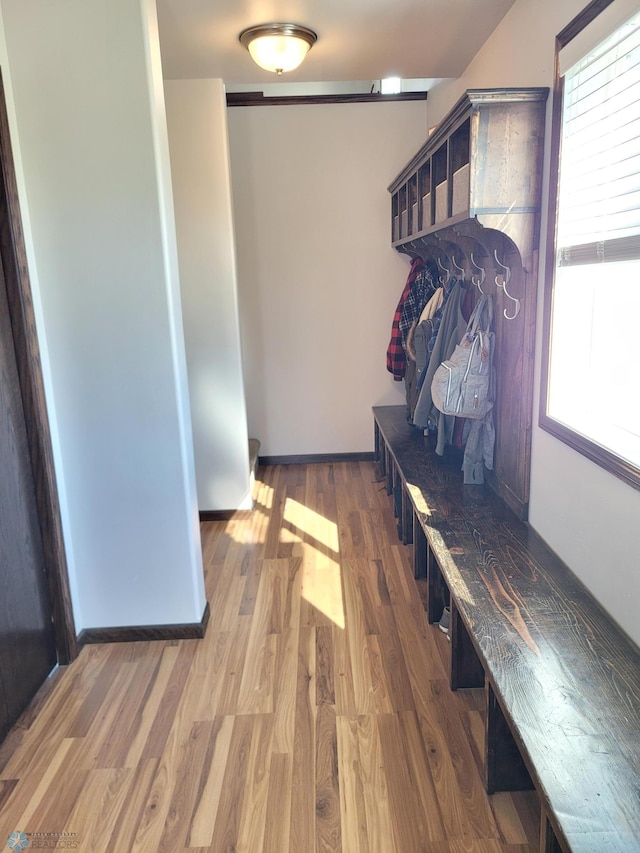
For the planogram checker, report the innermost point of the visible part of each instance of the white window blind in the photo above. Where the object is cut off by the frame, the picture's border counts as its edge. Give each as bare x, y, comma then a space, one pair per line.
599, 191
593, 360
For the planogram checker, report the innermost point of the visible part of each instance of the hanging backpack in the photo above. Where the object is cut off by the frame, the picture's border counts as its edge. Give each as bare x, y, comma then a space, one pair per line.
463, 385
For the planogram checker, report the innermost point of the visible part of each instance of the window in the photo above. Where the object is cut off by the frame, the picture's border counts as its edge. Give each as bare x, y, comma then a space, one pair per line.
591, 378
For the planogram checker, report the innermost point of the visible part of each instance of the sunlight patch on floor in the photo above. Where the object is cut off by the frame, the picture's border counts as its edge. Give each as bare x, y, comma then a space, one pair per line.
263, 494
322, 584
312, 523
310, 537
321, 579
254, 533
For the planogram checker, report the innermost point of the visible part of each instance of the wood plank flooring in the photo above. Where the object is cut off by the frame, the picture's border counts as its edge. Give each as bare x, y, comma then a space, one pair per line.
314, 716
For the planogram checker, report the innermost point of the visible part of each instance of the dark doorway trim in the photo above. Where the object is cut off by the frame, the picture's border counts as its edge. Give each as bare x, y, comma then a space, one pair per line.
258, 99
25, 341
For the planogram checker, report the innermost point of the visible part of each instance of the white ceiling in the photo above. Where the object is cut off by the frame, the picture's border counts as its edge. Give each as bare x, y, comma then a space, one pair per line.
357, 39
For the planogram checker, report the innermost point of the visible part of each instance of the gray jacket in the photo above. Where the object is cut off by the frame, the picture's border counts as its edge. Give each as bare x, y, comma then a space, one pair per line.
452, 328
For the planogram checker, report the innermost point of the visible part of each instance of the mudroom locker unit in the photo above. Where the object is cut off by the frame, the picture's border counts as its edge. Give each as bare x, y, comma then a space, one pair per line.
470, 200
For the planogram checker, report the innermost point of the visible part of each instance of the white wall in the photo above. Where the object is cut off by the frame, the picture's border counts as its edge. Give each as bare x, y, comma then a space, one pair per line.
90, 135
318, 279
197, 124
589, 517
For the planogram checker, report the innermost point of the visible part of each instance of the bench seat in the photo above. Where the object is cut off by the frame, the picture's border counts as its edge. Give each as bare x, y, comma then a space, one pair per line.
562, 680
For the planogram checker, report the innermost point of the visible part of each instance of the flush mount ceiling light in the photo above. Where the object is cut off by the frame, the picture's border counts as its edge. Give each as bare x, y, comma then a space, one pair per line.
278, 47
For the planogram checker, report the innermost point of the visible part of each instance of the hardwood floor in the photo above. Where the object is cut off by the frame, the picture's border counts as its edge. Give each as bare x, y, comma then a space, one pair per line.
315, 715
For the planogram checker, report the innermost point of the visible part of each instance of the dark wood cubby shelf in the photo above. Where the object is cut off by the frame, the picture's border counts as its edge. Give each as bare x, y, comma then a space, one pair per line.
470, 199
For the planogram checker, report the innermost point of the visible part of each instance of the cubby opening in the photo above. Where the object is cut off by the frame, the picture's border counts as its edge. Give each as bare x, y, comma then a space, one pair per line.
439, 183
424, 191
460, 169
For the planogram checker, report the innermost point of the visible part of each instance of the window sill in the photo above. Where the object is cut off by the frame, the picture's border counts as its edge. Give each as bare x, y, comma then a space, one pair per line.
615, 465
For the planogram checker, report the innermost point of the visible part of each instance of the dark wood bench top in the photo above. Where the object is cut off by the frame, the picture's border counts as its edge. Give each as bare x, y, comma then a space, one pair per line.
566, 676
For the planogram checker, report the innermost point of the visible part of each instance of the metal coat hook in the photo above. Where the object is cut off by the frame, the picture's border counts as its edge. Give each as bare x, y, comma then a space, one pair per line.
444, 281
474, 278
506, 277
410, 248
460, 269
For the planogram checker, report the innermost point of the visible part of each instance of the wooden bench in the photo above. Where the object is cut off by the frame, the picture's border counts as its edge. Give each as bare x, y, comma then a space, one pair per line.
562, 681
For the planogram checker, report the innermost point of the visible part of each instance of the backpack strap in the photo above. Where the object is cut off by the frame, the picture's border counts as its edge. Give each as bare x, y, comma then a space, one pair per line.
481, 318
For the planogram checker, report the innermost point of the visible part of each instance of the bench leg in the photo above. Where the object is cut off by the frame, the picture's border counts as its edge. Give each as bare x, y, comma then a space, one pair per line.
504, 768
388, 470
548, 841
379, 451
406, 516
437, 590
419, 550
466, 667
396, 494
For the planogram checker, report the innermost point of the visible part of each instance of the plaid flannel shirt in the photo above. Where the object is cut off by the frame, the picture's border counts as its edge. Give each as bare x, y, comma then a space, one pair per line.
396, 358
